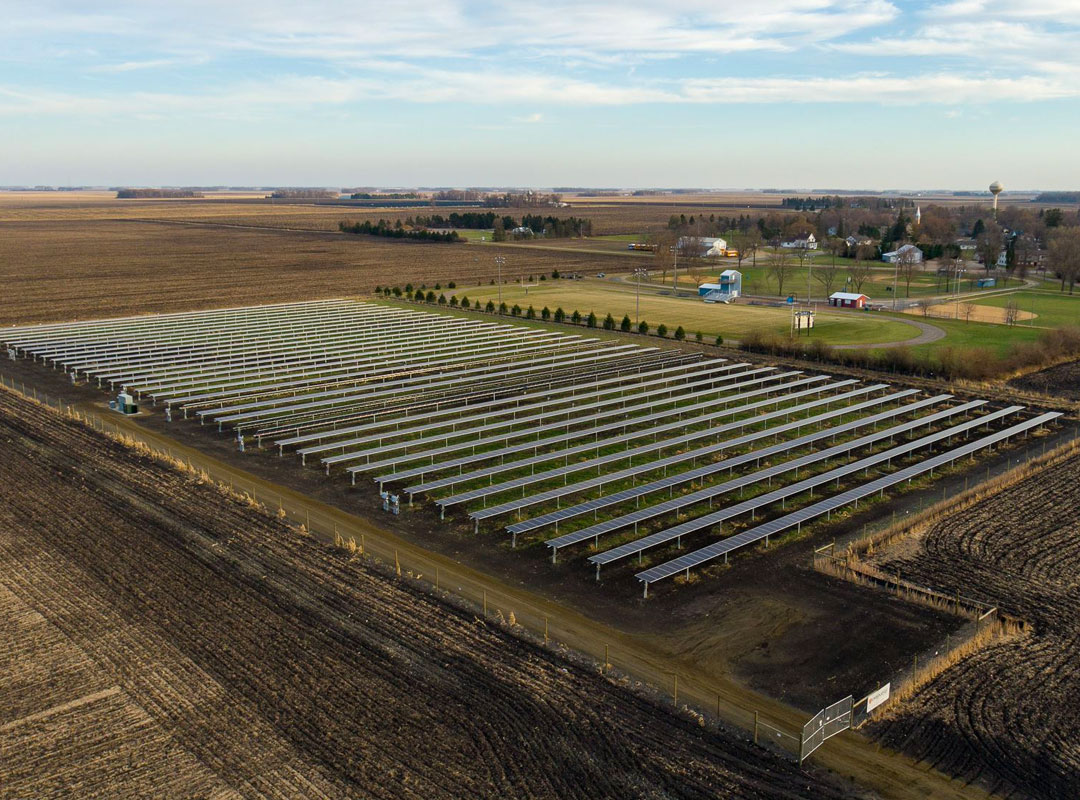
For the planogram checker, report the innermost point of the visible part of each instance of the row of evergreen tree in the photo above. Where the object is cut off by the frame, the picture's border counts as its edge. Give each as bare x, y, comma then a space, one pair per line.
395, 230
558, 315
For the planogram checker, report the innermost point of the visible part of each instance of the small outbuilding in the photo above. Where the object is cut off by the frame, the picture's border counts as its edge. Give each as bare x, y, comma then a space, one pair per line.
848, 300
987, 283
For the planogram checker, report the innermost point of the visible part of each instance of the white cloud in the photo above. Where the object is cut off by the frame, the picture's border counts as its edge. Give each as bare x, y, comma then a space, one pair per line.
154, 63
330, 54
332, 30
253, 99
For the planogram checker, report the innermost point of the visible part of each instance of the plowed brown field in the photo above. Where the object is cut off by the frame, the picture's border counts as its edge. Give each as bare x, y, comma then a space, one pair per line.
90, 269
1008, 715
1062, 380
161, 638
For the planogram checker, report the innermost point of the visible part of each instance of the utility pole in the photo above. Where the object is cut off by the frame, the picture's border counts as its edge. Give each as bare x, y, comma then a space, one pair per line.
499, 261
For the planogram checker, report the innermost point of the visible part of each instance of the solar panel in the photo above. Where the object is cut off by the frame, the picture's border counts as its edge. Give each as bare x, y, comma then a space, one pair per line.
635, 492
621, 382
621, 474
270, 408
796, 518
460, 425
637, 546
622, 424
471, 396
535, 446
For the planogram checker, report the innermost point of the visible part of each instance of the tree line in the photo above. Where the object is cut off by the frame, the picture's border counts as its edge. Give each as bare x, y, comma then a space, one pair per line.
591, 320
395, 230
141, 194
303, 194
384, 196
472, 220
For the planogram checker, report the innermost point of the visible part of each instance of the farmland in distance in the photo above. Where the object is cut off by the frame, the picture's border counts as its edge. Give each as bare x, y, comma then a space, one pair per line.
90, 269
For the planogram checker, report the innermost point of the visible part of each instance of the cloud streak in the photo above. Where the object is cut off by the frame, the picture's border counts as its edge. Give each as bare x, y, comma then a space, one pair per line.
255, 99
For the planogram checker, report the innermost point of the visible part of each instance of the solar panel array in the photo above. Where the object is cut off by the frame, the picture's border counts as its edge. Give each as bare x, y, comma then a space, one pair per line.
620, 449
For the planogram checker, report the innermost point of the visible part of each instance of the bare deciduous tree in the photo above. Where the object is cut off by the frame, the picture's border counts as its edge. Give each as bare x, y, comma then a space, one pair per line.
906, 264
1012, 311
827, 275
859, 273
779, 270
664, 252
1064, 256
989, 245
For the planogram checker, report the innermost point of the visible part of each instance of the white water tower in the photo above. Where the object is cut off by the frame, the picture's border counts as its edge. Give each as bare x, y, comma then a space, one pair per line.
995, 189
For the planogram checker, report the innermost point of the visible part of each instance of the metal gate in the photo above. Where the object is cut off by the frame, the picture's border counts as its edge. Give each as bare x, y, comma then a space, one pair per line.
826, 723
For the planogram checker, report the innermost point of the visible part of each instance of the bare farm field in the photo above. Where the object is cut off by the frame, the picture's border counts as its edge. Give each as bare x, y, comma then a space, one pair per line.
164, 637
1062, 380
608, 215
1006, 716
77, 270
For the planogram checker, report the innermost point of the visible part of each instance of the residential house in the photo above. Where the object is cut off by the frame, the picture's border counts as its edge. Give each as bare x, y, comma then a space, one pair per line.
804, 241
906, 250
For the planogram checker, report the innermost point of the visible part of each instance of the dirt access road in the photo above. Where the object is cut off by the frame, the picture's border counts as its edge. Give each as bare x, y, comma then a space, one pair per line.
641, 657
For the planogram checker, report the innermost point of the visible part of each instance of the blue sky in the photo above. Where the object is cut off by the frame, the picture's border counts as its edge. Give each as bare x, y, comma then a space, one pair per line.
725, 93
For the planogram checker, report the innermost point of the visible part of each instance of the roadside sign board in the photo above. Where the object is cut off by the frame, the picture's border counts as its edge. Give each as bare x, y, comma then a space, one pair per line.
876, 698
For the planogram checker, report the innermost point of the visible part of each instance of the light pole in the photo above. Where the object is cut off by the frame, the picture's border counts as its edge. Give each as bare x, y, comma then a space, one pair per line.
959, 275
895, 275
638, 273
499, 261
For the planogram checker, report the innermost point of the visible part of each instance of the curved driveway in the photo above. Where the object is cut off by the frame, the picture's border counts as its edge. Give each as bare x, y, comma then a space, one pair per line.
928, 333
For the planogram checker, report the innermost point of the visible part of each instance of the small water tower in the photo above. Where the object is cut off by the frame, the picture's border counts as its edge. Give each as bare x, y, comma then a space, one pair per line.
995, 189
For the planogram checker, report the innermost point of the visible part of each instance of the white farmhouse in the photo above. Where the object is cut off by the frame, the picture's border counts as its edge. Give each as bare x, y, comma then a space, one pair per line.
703, 246
900, 252
804, 241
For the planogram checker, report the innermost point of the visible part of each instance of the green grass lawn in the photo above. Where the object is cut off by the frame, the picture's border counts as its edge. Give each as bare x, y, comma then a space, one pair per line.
1052, 309
976, 334
730, 321
474, 235
619, 237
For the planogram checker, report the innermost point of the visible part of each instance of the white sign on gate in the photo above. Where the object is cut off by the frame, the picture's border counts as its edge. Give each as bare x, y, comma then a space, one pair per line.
876, 698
